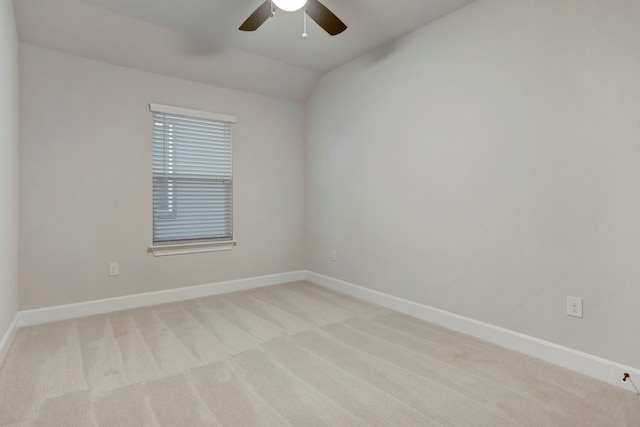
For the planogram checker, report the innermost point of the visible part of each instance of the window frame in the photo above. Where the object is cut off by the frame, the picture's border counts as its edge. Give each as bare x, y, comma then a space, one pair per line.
194, 245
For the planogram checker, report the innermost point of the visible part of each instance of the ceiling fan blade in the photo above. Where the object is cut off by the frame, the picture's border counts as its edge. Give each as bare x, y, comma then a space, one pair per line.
258, 17
324, 17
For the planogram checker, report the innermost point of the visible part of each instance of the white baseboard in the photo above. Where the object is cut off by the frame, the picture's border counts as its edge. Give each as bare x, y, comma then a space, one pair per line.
583, 363
109, 305
7, 339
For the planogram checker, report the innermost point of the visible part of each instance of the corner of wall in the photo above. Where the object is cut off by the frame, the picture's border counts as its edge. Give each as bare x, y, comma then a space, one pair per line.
8, 170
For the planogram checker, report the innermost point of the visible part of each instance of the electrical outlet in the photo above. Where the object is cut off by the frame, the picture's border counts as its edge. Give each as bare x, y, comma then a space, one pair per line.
574, 307
334, 255
114, 269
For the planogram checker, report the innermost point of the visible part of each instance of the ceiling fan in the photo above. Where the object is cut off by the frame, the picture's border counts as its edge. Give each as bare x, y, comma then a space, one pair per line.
316, 11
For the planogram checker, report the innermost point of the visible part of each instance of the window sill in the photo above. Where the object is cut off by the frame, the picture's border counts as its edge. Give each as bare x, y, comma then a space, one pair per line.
191, 248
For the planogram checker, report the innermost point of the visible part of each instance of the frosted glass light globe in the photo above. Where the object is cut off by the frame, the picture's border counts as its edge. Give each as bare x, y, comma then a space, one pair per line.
290, 5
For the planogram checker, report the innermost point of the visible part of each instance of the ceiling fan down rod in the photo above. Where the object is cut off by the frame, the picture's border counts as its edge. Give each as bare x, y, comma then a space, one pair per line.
304, 19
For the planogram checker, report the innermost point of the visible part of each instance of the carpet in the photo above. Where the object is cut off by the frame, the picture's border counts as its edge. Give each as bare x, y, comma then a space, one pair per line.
287, 355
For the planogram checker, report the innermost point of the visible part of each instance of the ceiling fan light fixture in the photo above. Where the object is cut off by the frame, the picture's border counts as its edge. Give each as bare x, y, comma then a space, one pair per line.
326, 19
290, 5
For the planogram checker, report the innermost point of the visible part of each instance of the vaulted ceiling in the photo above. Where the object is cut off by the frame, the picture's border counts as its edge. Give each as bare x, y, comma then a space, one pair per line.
199, 39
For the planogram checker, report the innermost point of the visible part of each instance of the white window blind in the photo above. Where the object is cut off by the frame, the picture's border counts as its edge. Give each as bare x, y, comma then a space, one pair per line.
192, 179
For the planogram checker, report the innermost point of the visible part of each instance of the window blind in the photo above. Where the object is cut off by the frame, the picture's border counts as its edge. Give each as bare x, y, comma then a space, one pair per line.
192, 177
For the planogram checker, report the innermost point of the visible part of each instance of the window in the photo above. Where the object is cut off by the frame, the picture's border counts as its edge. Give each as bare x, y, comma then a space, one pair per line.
192, 181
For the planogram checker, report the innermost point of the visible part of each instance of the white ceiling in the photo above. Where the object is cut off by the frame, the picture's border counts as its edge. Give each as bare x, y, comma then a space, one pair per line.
200, 40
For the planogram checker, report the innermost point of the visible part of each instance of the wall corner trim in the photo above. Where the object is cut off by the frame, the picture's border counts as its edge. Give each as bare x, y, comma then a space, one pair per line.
7, 339
582, 363
109, 305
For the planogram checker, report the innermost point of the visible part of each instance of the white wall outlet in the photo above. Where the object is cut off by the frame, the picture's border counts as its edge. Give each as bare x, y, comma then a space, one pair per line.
574, 307
114, 269
334, 255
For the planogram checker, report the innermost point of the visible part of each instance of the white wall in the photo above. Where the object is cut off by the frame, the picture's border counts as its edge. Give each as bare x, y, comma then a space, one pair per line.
85, 168
8, 166
488, 164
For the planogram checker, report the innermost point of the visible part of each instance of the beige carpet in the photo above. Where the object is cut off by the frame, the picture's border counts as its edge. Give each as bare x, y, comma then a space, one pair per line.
289, 355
